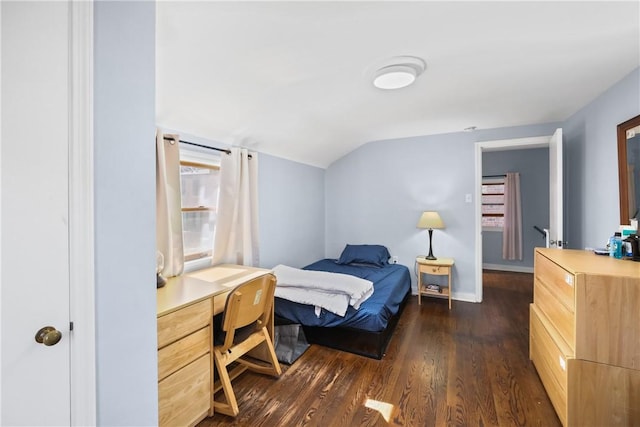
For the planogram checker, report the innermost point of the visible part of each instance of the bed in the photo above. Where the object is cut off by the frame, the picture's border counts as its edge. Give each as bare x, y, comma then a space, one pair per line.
367, 330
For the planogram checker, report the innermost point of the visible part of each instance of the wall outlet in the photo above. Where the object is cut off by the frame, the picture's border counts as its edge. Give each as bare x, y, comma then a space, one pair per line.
394, 260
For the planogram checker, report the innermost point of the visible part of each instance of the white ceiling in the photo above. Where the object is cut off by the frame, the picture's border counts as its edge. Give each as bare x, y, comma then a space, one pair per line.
293, 79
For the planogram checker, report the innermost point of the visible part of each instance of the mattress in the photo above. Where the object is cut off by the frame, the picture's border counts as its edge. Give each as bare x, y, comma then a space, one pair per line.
391, 284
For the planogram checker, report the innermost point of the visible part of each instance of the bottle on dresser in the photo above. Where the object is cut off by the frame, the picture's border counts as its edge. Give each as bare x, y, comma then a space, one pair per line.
615, 245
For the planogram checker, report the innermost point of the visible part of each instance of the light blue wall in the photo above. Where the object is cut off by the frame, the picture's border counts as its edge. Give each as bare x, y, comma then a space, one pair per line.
124, 129
292, 205
592, 211
533, 165
376, 193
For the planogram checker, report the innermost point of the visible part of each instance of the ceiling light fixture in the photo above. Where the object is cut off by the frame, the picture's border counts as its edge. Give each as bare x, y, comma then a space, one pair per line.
399, 72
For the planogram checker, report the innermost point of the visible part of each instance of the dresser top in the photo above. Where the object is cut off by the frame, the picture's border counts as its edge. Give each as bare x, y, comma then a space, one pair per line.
195, 286
578, 261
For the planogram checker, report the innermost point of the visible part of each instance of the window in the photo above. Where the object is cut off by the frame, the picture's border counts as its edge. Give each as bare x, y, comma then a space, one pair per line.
493, 204
200, 183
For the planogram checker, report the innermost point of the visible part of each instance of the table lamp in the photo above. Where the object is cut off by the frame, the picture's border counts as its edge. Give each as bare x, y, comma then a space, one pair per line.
430, 220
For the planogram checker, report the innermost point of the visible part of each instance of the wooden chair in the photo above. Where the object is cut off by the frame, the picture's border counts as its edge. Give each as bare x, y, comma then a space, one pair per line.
243, 327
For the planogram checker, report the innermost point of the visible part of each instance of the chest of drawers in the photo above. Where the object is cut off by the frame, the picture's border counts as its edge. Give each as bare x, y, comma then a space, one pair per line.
585, 336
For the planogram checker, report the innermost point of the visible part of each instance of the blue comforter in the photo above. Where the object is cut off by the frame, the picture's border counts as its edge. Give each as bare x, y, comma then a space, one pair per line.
391, 284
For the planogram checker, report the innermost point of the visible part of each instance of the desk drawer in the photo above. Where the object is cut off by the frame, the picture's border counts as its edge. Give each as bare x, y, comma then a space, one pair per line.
559, 281
184, 397
550, 362
180, 323
219, 301
559, 315
182, 352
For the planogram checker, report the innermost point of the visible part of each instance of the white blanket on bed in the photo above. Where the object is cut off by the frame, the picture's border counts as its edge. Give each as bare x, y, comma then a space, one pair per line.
332, 291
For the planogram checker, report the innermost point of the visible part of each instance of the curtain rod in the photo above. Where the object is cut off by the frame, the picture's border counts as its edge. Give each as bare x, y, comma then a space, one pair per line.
199, 145
486, 176
203, 146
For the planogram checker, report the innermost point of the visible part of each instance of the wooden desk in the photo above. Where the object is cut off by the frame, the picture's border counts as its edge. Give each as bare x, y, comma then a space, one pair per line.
185, 309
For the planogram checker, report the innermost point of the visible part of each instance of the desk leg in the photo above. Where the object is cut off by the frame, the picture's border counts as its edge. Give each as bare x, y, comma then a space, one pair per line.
449, 289
419, 286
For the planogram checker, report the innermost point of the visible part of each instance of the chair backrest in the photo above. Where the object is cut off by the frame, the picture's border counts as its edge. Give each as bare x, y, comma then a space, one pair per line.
248, 306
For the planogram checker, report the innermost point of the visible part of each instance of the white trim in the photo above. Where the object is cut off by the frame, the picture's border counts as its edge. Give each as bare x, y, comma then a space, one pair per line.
81, 213
189, 154
512, 268
463, 296
1, 212
492, 229
499, 145
197, 264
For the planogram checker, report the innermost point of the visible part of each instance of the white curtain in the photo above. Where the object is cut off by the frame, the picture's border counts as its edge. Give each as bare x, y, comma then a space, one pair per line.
236, 236
512, 231
169, 204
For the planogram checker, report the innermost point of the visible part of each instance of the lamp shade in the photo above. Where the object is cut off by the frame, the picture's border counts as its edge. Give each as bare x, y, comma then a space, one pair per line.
431, 220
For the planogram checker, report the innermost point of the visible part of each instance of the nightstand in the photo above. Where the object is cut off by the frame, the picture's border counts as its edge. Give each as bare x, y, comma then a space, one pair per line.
436, 267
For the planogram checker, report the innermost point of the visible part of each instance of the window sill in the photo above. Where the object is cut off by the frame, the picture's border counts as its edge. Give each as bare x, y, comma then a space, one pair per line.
492, 229
197, 264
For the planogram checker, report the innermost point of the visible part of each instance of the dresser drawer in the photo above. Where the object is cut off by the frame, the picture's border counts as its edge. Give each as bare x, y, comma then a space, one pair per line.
184, 397
550, 362
182, 352
559, 315
559, 281
180, 323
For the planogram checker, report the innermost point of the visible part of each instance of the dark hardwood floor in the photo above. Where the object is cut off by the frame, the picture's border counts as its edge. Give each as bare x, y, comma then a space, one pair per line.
465, 367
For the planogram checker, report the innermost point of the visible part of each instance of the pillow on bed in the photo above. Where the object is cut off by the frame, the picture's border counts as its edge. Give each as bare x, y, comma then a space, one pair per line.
365, 254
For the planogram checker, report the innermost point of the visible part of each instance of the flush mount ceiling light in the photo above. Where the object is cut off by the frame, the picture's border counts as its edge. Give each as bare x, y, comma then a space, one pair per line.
399, 72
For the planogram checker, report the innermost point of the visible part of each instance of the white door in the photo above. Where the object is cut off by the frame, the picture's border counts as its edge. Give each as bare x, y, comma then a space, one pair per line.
555, 233
34, 226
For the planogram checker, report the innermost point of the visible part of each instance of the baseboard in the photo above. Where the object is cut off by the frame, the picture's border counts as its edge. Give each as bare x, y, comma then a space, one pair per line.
463, 296
513, 268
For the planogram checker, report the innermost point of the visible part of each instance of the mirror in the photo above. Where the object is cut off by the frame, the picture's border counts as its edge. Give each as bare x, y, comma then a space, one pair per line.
629, 169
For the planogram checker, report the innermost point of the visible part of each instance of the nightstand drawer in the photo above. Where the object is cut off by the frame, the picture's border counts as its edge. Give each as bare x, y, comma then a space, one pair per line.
438, 270
184, 321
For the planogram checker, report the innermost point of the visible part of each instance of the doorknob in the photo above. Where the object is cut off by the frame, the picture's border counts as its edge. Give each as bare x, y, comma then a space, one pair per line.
48, 336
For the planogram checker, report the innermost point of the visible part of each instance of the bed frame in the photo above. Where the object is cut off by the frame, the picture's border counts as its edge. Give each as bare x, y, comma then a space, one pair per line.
352, 340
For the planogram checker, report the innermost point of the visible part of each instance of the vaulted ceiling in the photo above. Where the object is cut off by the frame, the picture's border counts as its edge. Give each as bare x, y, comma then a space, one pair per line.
294, 79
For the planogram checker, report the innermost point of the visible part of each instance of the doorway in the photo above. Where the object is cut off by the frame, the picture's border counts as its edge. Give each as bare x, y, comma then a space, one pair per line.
502, 146
532, 164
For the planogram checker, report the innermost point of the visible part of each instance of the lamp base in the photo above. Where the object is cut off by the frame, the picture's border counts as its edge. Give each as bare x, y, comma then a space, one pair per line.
430, 256
160, 281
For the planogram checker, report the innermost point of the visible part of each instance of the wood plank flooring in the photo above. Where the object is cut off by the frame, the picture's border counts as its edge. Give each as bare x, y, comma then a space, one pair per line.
465, 367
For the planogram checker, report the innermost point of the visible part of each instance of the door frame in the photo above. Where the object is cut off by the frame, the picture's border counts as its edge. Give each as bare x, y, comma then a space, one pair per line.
82, 345
497, 145
81, 218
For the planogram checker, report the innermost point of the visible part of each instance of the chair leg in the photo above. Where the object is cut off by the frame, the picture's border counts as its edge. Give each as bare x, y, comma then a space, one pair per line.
231, 407
273, 368
272, 353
